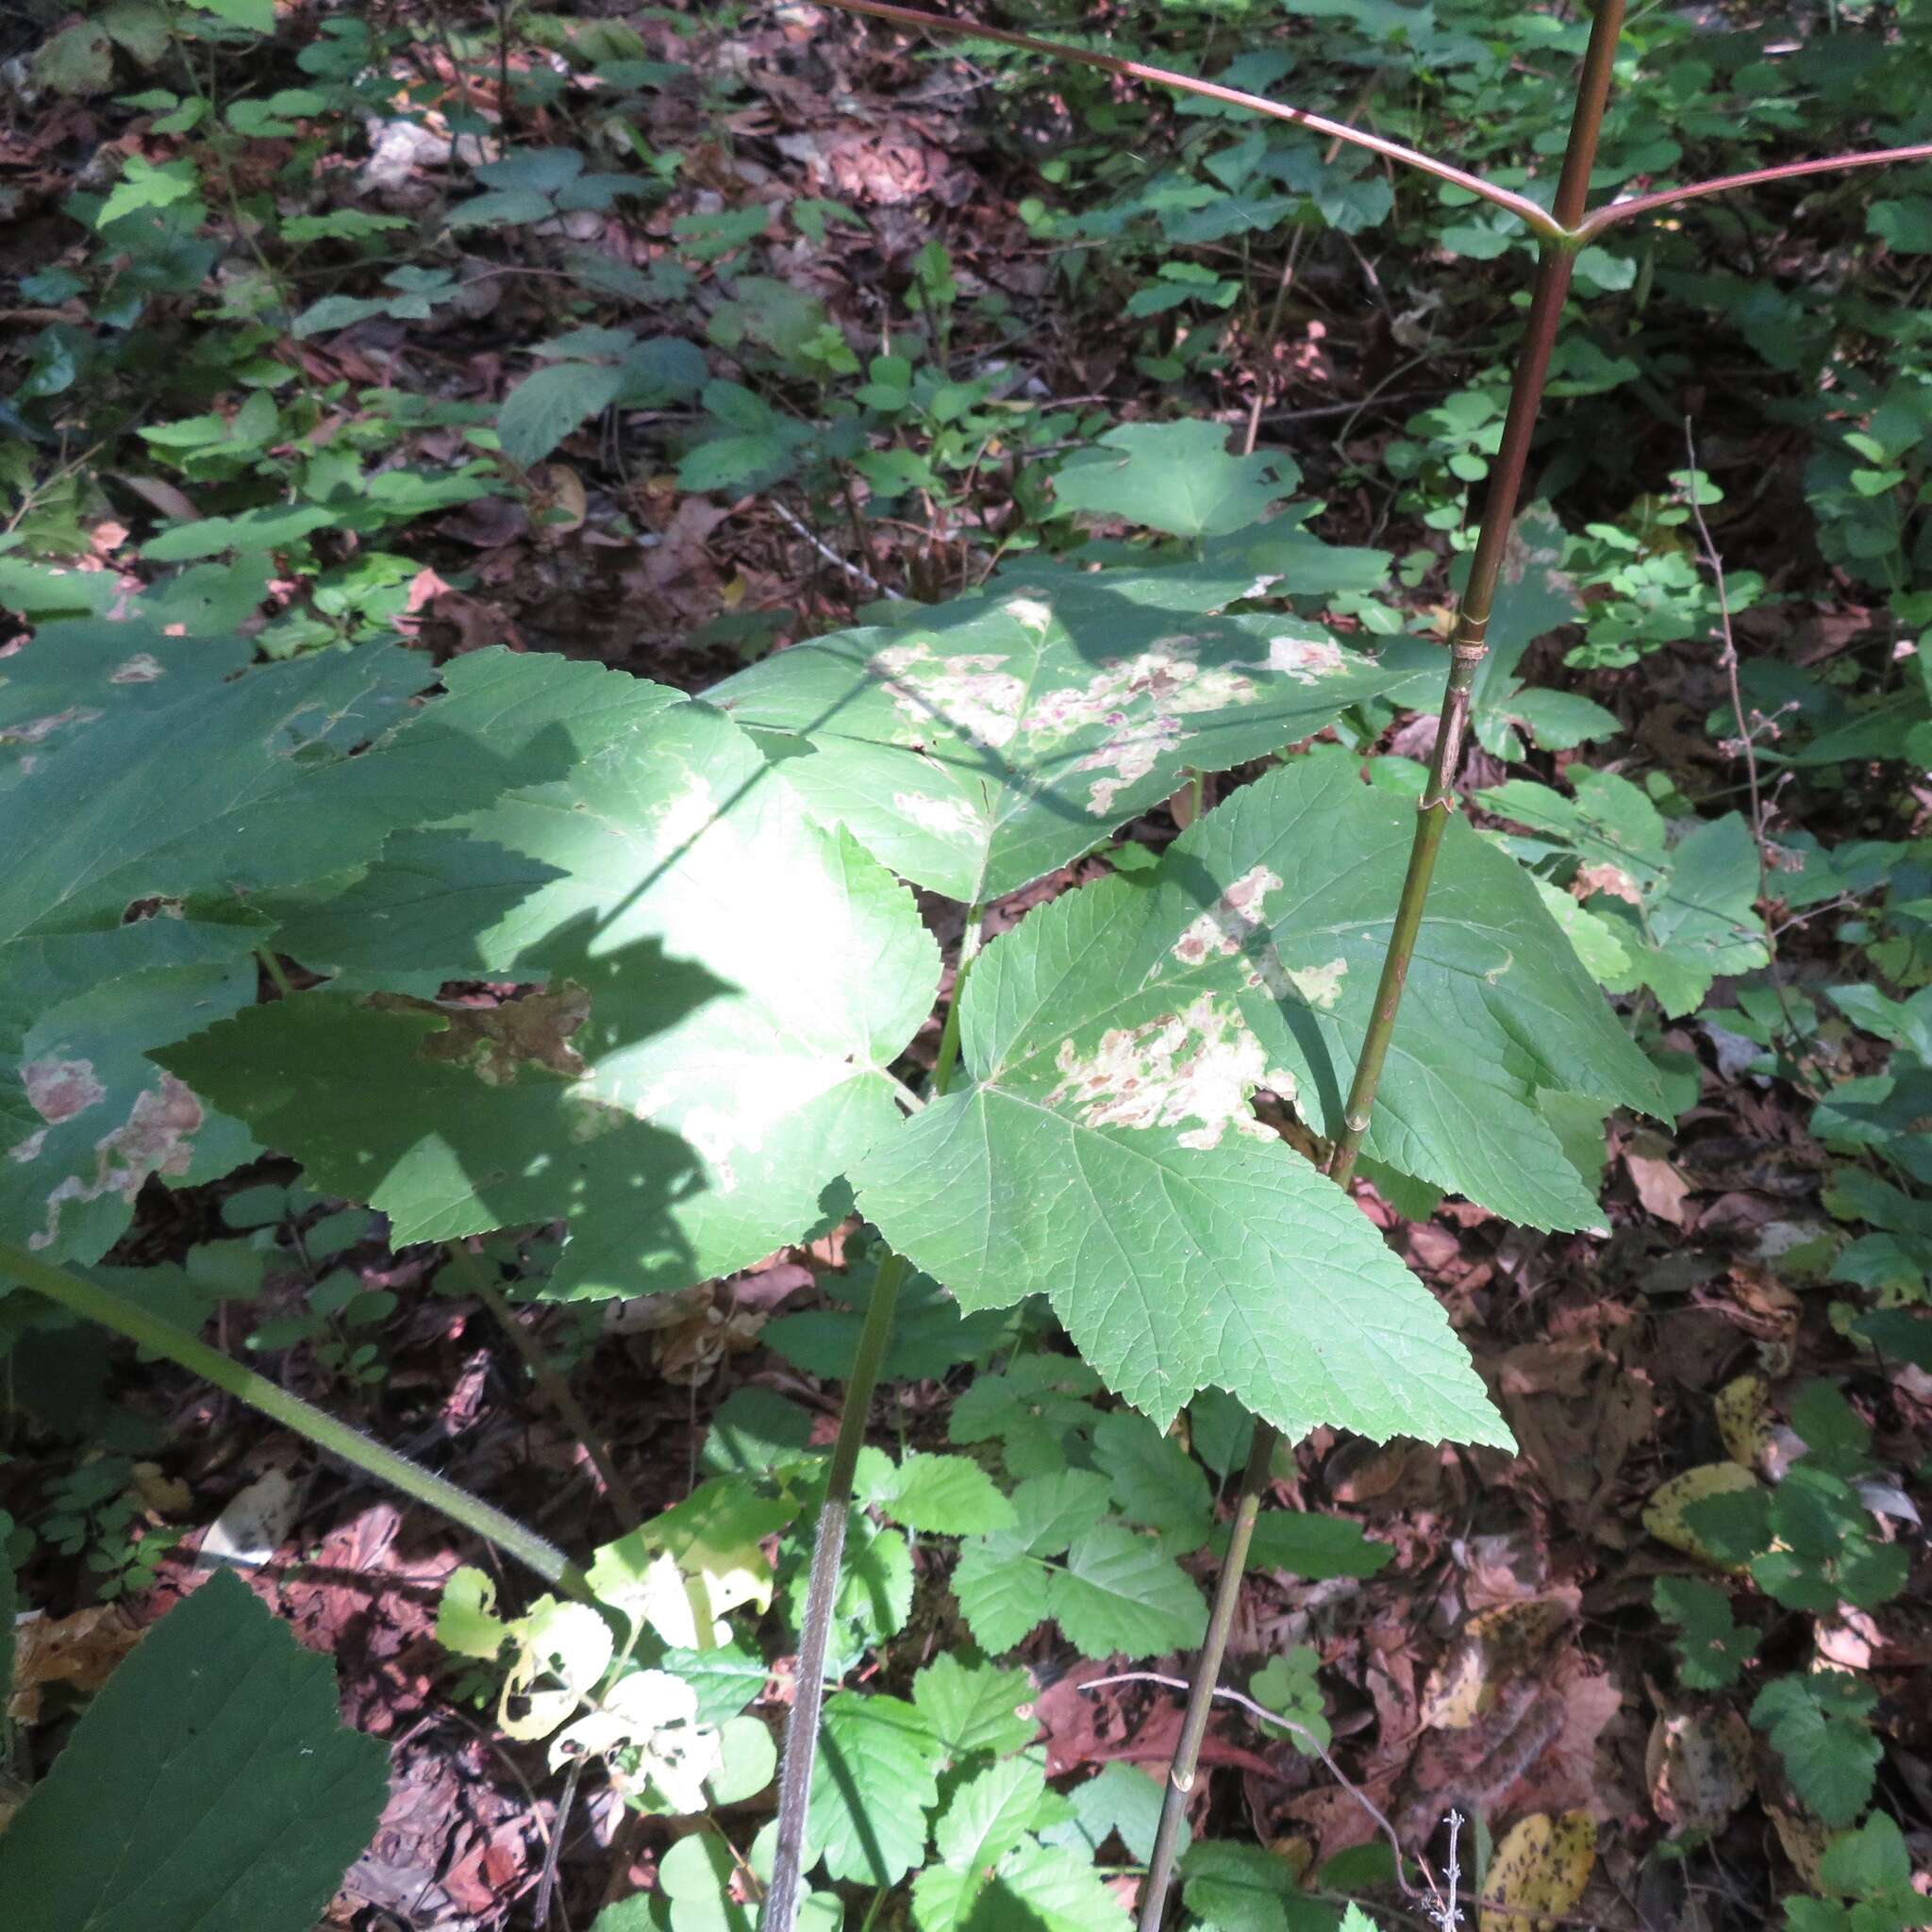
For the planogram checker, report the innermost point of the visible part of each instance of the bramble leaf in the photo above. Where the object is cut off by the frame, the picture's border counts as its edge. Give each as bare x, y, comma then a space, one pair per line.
1817, 1724
975, 1707
1683, 914
875, 1775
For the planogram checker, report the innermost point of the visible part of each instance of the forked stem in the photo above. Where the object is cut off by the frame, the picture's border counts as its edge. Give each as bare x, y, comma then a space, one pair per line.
784, 1894
1433, 809
1532, 213
128, 1317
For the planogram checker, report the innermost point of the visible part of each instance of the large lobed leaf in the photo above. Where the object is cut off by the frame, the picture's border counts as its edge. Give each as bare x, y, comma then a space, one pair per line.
1008, 733
1107, 1153
211, 1787
159, 795
723, 987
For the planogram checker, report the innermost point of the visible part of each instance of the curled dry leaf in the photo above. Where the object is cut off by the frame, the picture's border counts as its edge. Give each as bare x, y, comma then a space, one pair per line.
80, 1650
1543, 1865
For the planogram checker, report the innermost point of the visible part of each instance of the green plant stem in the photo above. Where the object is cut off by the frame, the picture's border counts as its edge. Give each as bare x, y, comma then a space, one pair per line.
161, 1337
1433, 809
829, 1550
784, 1895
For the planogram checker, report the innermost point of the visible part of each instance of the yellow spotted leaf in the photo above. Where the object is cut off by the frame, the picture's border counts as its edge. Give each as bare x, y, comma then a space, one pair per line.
1543, 1865
1663, 1517
1743, 1419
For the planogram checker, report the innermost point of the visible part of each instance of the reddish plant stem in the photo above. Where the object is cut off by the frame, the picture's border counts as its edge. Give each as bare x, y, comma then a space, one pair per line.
1433, 810
1519, 205
1592, 225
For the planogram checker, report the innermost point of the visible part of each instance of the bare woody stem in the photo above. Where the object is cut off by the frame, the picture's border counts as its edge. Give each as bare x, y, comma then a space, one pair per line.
161, 1337
784, 1894
1433, 810
1595, 224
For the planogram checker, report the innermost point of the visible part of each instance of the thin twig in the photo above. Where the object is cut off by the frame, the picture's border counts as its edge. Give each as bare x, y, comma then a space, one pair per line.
1312, 1744
1760, 830
546, 1886
858, 573
1594, 225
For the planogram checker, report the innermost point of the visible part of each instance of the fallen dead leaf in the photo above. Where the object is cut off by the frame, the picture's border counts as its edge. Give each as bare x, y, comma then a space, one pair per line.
80, 1650
1543, 1865
1663, 1515
1698, 1764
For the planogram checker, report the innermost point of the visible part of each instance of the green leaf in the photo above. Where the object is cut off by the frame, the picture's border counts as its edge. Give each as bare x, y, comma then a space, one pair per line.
1904, 226
1154, 1480
547, 404
1683, 913
1123, 1800
685, 1091
1002, 1581
1008, 733
166, 786
1047, 1889
80, 60
985, 1819
876, 1775
943, 1495
1307, 1546
143, 184
1713, 1650
930, 1337
975, 1707
211, 1787
1115, 1038
1871, 1861
1118, 1593
1174, 476
109, 1119
1240, 1888
1817, 1724
258, 16
1534, 597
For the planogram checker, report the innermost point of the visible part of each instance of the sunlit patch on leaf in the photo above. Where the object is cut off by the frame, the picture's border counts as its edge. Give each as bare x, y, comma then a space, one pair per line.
976, 753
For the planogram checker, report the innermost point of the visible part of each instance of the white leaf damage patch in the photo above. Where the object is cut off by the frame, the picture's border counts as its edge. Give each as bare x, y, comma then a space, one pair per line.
945, 818
1197, 1065
968, 694
1233, 919
158, 1138
1305, 660
58, 1089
